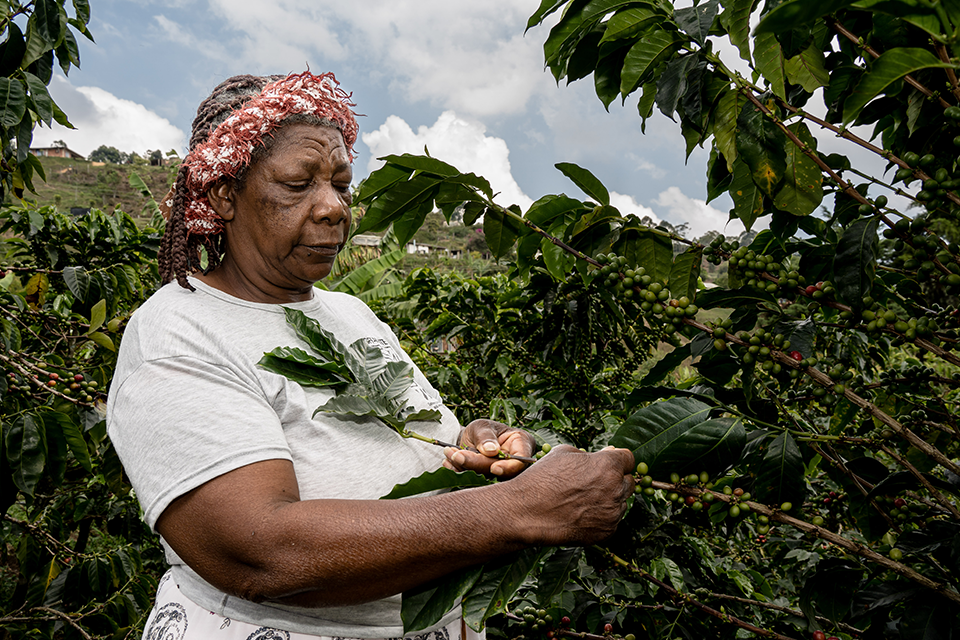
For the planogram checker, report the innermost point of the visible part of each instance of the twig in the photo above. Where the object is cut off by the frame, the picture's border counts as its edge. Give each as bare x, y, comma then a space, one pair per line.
775, 607
66, 618
688, 599
839, 28
824, 534
939, 497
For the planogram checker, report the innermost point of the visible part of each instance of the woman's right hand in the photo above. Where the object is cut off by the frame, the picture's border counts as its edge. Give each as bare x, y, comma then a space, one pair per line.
572, 497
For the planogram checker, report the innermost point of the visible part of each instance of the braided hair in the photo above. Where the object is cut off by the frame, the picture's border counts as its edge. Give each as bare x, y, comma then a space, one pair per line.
180, 250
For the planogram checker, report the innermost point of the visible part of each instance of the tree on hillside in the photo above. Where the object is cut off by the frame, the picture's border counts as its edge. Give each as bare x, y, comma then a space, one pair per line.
103, 153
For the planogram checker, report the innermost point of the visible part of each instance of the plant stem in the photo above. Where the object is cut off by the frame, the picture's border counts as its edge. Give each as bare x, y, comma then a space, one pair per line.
688, 599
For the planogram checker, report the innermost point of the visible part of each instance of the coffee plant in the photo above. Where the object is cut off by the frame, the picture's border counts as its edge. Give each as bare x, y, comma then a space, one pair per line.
75, 559
796, 448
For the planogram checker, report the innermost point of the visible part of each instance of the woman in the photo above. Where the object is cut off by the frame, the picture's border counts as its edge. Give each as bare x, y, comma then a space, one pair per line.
270, 518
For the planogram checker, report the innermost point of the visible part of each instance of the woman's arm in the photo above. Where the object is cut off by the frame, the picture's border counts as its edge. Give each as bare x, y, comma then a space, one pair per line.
248, 533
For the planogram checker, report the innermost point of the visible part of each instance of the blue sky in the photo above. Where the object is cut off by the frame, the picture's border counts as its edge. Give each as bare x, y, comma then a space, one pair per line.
457, 76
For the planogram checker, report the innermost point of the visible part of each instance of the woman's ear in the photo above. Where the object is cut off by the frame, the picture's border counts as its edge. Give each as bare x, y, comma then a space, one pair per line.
221, 196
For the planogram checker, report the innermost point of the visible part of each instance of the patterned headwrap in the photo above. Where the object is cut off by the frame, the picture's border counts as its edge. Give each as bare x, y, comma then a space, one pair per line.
230, 147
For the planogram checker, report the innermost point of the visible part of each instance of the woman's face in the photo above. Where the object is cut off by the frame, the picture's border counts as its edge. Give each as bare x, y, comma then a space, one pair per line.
285, 225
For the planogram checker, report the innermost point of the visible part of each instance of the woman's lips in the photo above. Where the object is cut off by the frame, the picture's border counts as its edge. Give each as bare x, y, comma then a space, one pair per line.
329, 250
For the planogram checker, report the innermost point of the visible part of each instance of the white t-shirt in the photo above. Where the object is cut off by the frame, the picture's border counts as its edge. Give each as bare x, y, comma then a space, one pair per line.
188, 403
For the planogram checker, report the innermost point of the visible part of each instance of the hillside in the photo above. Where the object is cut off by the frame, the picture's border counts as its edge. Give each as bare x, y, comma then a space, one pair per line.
78, 183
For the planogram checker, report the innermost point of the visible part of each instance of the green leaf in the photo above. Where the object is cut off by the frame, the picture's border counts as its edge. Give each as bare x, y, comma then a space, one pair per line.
666, 568
357, 405
855, 263
548, 208
500, 231
712, 445
696, 21
25, 452
651, 430
68, 53
587, 182
72, 435
557, 260
891, 66
747, 196
12, 50
422, 164
555, 572
629, 23
500, 580
13, 100
305, 369
760, 144
424, 606
725, 124
82, 8
77, 281
546, 8
806, 69
780, 476
103, 340
407, 225
673, 83
41, 97
646, 248
790, 15
645, 56
46, 16
802, 188
97, 315
24, 139
423, 415
441, 478
381, 180
357, 279
323, 342
768, 57
736, 20
404, 197
685, 273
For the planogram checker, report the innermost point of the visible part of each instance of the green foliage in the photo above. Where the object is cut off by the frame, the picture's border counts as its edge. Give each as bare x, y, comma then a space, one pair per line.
75, 558
800, 448
27, 55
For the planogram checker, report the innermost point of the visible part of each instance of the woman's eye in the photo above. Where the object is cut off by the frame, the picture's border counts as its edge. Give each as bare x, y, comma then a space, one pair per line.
298, 185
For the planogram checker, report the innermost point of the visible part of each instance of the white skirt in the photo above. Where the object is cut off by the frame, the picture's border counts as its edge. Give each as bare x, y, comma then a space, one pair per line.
176, 617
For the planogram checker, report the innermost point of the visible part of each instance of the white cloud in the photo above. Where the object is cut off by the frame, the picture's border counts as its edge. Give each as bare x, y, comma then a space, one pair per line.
458, 141
101, 118
468, 57
700, 216
627, 205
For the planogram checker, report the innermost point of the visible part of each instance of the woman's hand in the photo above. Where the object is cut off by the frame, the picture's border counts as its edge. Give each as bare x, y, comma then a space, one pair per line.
572, 497
482, 442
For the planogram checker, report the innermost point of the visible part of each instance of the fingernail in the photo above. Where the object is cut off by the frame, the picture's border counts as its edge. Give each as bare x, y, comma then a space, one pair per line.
457, 459
496, 470
489, 447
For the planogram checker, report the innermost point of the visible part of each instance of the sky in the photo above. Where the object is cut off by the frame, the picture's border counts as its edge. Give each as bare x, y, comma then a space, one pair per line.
459, 78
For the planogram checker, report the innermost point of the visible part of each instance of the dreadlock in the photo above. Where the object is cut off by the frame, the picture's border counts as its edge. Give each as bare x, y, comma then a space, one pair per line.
179, 253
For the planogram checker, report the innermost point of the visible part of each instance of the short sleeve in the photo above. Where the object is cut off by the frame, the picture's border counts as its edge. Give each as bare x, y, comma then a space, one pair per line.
179, 422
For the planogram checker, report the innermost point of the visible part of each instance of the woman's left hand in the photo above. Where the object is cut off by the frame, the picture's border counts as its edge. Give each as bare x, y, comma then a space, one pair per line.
482, 441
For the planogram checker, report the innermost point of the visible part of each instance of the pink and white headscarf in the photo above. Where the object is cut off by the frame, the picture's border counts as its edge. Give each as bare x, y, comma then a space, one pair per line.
230, 147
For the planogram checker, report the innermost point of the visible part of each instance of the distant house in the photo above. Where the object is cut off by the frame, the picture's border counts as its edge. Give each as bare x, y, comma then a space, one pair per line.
56, 152
421, 249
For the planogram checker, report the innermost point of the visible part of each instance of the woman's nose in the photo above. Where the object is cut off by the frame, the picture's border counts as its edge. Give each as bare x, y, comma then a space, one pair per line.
330, 206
